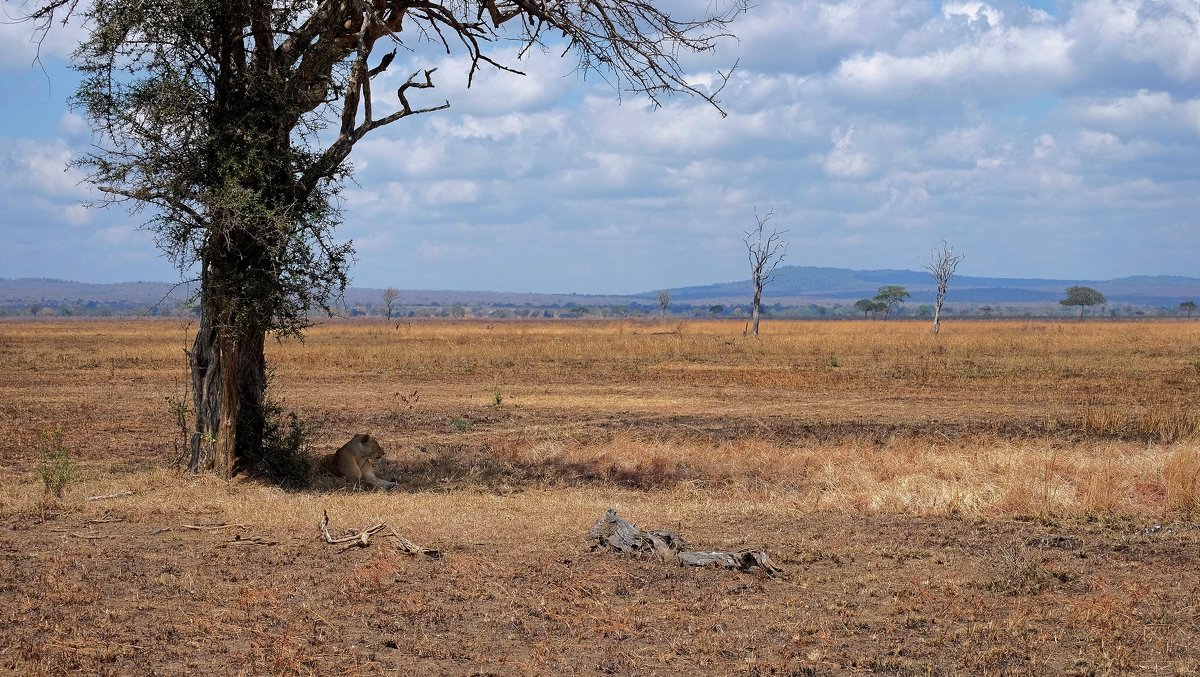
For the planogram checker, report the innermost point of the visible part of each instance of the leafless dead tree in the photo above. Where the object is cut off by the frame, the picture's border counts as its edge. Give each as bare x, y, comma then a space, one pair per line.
389, 297
664, 300
765, 251
942, 265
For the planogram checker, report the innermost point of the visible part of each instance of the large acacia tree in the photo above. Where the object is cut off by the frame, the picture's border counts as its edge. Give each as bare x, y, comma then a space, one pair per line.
232, 121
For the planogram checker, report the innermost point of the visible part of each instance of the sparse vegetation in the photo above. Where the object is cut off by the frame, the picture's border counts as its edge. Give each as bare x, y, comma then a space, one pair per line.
285, 458
1014, 493
56, 469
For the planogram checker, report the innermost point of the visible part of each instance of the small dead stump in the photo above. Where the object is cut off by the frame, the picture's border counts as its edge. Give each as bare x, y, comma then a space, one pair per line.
613, 532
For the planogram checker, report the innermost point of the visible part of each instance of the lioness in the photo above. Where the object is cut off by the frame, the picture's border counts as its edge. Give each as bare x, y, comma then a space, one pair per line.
354, 461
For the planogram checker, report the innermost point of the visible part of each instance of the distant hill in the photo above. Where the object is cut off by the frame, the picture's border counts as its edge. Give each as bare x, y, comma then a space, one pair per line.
41, 290
132, 298
794, 286
811, 284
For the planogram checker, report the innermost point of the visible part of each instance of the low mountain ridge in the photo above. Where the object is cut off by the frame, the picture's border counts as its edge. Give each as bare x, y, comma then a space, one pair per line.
792, 285
814, 284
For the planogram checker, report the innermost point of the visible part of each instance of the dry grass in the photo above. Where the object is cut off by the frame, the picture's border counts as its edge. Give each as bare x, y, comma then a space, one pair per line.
990, 418
1007, 498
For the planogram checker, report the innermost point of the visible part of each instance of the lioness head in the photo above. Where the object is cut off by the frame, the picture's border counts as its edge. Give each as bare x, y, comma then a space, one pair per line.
368, 446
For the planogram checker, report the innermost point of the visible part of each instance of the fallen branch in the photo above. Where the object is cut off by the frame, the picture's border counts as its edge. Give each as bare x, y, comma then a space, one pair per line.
363, 539
611, 531
406, 546
212, 527
253, 540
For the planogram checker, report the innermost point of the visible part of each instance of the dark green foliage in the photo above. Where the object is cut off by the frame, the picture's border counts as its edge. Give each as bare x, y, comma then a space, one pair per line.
1083, 297
890, 296
870, 306
284, 456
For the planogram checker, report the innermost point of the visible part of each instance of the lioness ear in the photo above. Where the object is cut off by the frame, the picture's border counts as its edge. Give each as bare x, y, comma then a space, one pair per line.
366, 438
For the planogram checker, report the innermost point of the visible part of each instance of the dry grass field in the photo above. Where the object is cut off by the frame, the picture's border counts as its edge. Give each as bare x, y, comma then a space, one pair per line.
1007, 498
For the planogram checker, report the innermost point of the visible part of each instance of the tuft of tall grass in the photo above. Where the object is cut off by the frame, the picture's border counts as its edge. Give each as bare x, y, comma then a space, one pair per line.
1182, 478
55, 468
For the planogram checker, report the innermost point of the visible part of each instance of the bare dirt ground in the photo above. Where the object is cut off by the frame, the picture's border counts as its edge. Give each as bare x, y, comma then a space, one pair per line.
1017, 503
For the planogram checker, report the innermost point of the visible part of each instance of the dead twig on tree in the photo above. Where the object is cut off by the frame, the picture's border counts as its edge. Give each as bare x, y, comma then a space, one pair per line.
611, 531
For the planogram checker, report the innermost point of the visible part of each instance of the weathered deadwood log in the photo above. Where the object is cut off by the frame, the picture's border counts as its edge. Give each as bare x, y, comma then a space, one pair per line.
212, 527
612, 531
363, 539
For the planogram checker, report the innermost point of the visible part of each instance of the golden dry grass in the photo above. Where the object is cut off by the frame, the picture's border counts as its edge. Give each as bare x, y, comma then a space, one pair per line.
1007, 498
990, 418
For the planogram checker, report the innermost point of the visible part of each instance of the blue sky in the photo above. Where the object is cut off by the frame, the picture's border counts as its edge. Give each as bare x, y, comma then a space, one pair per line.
1047, 139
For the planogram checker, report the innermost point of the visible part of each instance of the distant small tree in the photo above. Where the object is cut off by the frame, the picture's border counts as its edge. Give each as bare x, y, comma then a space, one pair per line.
1188, 307
389, 297
986, 310
891, 296
865, 305
664, 300
942, 265
765, 251
870, 306
1083, 297
35, 308
716, 310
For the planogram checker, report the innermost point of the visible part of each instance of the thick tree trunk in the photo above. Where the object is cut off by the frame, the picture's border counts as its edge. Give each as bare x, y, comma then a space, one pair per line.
937, 314
205, 361
228, 386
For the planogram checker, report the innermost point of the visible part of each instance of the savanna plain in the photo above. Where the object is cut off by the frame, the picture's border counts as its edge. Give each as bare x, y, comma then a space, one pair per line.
1008, 497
